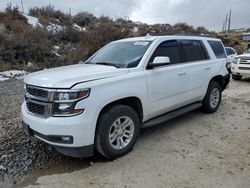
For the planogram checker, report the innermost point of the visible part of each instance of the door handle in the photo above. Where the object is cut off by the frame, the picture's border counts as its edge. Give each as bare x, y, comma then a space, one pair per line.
182, 73
207, 68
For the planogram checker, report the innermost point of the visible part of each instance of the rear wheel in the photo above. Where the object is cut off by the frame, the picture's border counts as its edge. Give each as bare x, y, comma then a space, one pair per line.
117, 131
236, 77
212, 100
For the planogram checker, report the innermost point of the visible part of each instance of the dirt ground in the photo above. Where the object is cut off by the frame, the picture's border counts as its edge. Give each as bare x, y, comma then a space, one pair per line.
195, 150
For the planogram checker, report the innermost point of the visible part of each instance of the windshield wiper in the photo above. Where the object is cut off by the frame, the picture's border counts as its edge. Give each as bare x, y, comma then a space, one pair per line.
104, 63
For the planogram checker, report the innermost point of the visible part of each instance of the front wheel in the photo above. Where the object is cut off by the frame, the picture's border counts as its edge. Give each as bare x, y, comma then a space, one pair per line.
212, 100
117, 131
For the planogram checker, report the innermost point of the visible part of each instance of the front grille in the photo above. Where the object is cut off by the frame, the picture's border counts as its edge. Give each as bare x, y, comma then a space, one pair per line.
36, 108
244, 68
244, 58
245, 63
37, 92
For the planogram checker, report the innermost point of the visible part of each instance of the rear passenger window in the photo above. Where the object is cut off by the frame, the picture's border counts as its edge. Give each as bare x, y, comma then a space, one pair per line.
181, 51
218, 49
193, 50
169, 49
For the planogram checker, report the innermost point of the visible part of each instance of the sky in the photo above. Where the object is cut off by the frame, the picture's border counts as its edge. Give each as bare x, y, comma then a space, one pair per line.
207, 13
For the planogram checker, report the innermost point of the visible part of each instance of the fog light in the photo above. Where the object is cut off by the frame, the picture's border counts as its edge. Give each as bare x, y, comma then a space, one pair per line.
66, 138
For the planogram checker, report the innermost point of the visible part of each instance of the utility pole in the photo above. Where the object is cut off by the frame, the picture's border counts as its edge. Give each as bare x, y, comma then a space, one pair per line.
229, 20
70, 11
22, 6
226, 23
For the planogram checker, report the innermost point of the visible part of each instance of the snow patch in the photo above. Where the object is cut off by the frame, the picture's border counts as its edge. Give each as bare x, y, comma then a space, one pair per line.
55, 53
56, 47
79, 28
6, 75
135, 29
55, 50
33, 21
54, 28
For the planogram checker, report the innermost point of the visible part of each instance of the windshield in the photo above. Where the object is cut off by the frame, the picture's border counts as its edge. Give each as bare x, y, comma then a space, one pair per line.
121, 54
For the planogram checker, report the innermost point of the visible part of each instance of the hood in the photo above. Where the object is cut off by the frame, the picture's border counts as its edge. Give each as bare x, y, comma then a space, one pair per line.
67, 76
244, 56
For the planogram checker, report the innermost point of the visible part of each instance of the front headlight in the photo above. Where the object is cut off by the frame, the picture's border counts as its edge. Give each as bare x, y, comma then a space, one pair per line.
236, 60
65, 102
70, 96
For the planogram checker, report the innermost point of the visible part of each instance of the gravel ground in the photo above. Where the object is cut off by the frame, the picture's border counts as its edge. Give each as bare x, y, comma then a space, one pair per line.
195, 150
19, 154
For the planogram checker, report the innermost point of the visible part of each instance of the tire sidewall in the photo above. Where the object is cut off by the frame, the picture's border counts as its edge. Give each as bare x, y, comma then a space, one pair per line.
206, 102
105, 123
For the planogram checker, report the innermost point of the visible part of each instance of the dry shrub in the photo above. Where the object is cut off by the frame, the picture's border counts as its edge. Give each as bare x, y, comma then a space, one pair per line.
50, 12
183, 27
83, 18
77, 54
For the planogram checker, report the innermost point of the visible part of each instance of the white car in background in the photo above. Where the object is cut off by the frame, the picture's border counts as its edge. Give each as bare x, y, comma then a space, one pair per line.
231, 54
241, 66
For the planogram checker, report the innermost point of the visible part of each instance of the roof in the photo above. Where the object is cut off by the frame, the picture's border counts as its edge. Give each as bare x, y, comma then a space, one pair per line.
174, 36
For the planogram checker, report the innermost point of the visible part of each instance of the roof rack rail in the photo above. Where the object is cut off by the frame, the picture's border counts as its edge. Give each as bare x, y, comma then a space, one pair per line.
185, 34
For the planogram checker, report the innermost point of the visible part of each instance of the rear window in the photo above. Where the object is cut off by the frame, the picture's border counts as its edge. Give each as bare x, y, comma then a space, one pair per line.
181, 51
193, 50
217, 48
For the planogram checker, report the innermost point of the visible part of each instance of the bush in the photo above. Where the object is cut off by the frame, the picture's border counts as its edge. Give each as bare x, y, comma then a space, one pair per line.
183, 27
83, 19
29, 46
70, 35
13, 13
50, 12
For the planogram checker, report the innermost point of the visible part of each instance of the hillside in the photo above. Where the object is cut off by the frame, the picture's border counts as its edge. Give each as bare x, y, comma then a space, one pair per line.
47, 37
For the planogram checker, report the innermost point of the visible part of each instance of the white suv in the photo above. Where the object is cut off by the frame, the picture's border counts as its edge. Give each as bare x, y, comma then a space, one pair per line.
241, 66
127, 85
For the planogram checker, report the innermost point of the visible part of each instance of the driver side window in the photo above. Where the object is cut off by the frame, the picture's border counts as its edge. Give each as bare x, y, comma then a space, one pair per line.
170, 49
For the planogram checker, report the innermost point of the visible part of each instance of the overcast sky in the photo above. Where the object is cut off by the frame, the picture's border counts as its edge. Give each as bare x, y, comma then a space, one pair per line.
208, 13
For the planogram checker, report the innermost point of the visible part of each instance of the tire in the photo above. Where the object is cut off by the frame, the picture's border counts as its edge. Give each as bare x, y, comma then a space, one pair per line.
110, 131
236, 77
212, 99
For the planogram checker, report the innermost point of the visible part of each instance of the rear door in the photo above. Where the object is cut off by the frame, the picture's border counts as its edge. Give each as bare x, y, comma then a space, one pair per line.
167, 85
197, 66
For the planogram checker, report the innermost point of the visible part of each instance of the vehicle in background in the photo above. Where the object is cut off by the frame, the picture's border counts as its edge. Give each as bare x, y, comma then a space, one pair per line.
247, 52
241, 66
231, 54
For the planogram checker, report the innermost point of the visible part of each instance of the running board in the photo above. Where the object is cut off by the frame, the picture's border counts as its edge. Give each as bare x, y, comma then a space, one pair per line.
170, 115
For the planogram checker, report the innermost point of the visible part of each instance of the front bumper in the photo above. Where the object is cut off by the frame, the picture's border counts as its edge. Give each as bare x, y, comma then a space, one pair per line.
79, 130
240, 69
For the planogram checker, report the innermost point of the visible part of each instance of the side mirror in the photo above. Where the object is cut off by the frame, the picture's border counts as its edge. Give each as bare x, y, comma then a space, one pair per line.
160, 61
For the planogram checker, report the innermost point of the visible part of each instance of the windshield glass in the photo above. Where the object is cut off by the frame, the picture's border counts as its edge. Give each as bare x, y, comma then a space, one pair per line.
121, 54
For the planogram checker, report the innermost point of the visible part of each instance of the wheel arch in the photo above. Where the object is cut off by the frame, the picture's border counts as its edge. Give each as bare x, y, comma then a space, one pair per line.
220, 80
133, 102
